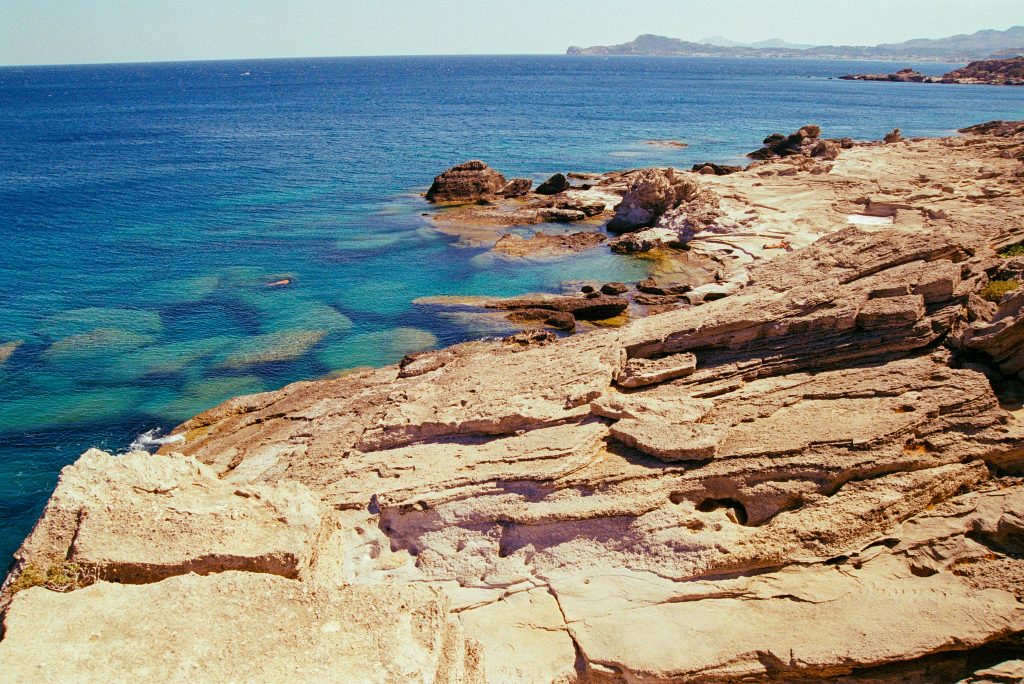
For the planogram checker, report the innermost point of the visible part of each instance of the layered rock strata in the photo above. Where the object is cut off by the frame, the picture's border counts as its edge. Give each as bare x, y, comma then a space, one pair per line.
810, 478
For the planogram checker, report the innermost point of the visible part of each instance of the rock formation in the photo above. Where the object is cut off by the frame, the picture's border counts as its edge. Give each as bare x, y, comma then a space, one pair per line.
901, 76
805, 142
816, 476
656, 197
466, 182
989, 71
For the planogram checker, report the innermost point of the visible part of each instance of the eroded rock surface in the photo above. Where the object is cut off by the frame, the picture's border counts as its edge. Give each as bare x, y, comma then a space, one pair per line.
810, 478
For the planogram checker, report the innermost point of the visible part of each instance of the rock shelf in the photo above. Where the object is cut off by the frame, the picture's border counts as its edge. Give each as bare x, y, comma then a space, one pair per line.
814, 475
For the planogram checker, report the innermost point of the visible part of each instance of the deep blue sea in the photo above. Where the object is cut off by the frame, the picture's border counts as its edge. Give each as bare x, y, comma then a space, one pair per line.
145, 208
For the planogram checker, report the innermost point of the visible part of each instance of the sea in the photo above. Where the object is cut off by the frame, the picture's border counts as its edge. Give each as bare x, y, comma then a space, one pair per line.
147, 209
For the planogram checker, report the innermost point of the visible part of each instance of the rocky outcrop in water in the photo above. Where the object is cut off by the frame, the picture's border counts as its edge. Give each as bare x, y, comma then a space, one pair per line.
466, 182
901, 76
816, 476
989, 71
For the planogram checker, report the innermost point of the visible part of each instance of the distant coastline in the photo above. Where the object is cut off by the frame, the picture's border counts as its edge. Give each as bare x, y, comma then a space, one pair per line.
988, 44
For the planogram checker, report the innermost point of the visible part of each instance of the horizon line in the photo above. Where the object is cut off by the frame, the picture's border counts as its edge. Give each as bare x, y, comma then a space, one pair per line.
201, 60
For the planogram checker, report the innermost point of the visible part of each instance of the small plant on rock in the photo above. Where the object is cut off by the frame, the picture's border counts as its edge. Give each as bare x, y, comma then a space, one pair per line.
996, 289
1012, 251
62, 577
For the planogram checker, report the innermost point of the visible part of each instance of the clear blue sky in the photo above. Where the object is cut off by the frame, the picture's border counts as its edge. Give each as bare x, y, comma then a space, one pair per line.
79, 31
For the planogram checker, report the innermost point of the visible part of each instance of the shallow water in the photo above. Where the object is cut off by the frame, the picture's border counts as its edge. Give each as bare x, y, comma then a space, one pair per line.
145, 208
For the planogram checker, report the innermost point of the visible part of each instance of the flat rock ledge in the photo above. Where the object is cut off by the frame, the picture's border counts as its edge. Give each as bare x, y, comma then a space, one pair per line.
816, 477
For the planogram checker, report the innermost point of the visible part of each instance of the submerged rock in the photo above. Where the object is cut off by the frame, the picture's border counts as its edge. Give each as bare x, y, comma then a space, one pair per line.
272, 347
7, 350
466, 182
542, 244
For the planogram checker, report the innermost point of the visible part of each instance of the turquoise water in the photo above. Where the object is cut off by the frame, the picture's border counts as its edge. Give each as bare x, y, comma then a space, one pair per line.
144, 209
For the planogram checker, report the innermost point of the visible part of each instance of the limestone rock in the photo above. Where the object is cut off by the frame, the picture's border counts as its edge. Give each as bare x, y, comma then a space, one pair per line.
1002, 337
669, 441
139, 518
651, 193
466, 182
845, 444
640, 372
235, 627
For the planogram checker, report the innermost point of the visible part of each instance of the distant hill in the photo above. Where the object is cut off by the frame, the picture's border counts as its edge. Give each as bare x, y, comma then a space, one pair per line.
980, 45
722, 41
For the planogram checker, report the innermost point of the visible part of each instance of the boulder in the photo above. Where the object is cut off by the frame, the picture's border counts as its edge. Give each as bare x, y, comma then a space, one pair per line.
650, 286
711, 168
806, 142
554, 185
517, 187
614, 288
466, 182
651, 193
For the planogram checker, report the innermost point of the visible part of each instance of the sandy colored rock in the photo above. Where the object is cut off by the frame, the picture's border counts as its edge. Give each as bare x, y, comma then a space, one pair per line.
669, 441
816, 480
140, 518
235, 627
640, 372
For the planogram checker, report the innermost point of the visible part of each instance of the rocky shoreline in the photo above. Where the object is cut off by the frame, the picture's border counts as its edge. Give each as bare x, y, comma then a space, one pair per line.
983, 72
813, 474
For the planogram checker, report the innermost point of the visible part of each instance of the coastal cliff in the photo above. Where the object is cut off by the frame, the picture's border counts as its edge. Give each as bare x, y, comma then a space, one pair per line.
815, 475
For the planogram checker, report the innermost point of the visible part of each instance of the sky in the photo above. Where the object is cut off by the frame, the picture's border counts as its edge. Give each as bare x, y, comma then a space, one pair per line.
98, 31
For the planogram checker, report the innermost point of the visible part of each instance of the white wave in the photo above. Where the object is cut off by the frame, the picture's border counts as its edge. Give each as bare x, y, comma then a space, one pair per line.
150, 440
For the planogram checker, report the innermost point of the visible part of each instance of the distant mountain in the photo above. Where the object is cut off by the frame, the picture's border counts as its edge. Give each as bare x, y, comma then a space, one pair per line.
979, 45
722, 41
